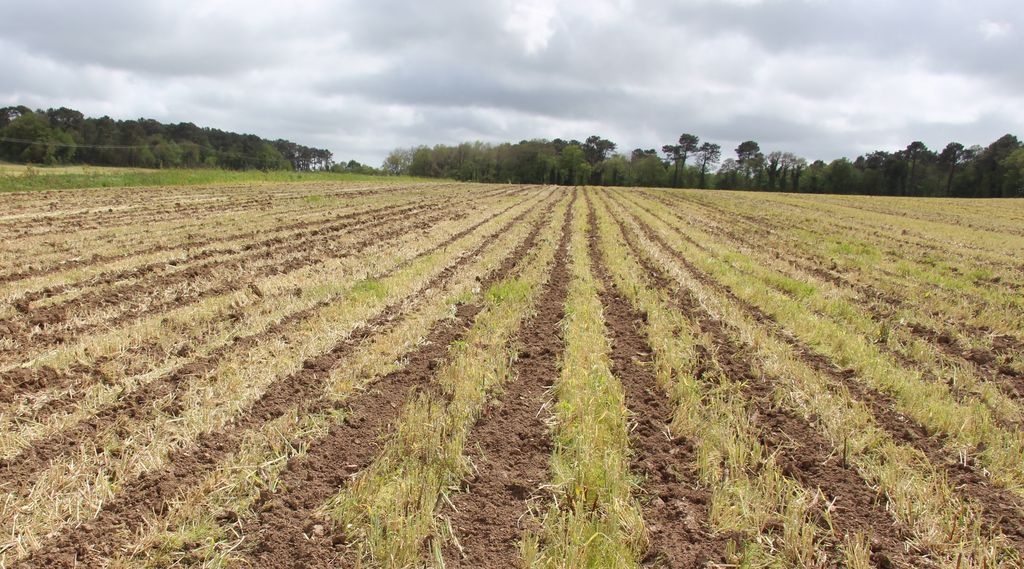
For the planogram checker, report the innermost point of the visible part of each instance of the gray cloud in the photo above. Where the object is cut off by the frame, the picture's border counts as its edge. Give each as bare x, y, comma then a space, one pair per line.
818, 77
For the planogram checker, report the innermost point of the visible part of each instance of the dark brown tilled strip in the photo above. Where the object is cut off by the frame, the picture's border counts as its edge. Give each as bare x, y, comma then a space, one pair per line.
283, 532
98, 215
262, 250
801, 452
509, 445
968, 359
1001, 509
983, 362
18, 381
96, 540
17, 475
675, 508
96, 259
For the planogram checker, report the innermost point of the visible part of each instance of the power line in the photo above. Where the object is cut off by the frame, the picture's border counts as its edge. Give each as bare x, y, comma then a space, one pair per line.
76, 145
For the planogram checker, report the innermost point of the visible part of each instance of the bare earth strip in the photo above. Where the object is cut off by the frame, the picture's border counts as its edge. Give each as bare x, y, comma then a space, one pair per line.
509, 445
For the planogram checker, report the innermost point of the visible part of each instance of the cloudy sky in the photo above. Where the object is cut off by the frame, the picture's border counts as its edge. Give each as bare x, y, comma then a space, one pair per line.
823, 78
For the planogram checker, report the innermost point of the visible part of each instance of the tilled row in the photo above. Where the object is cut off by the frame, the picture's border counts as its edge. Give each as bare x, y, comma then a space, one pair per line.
86, 251
155, 289
972, 424
967, 382
288, 530
907, 318
147, 236
802, 454
158, 397
597, 389
190, 285
886, 275
63, 409
188, 464
882, 457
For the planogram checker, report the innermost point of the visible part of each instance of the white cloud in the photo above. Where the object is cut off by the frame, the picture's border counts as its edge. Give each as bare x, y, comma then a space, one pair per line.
992, 30
819, 78
532, 21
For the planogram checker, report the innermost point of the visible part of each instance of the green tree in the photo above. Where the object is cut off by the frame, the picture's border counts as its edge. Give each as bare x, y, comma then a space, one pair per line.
914, 152
951, 157
573, 165
708, 154
30, 139
678, 153
648, 172
397, 162
1013, 182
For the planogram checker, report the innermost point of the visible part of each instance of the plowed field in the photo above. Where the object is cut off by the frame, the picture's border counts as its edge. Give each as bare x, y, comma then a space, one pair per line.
455, 375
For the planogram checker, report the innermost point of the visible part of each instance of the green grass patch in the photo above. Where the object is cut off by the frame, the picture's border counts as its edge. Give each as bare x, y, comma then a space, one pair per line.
507, 290
40, 179
854, 249
314, 199
981, 275
798, 289
369, 288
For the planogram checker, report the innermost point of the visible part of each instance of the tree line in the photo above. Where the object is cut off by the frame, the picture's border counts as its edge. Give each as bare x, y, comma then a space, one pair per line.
66, 136
996, 170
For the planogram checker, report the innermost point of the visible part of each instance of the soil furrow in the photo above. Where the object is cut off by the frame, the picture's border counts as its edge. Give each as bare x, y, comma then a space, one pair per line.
193, 243
802, 453
284, 532
187, 244
509, 445
99, 538
1001, 509
59, 316
675, 508
17, 475
18, 382
983, 362
23, 382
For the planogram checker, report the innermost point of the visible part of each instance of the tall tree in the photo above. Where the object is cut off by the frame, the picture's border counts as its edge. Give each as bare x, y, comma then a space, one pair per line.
913, 153
597, 149
747, 151
678, 153
773, 167
708, 154
795, 166
951, 157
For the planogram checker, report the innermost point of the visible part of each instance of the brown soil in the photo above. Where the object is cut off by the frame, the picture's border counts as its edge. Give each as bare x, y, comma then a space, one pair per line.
13, 384
801, 452
132, 298
983, 361
286, 534
91, 542
1001, 509
754, 228
509, 445
216, 212
17, 475
675, 507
